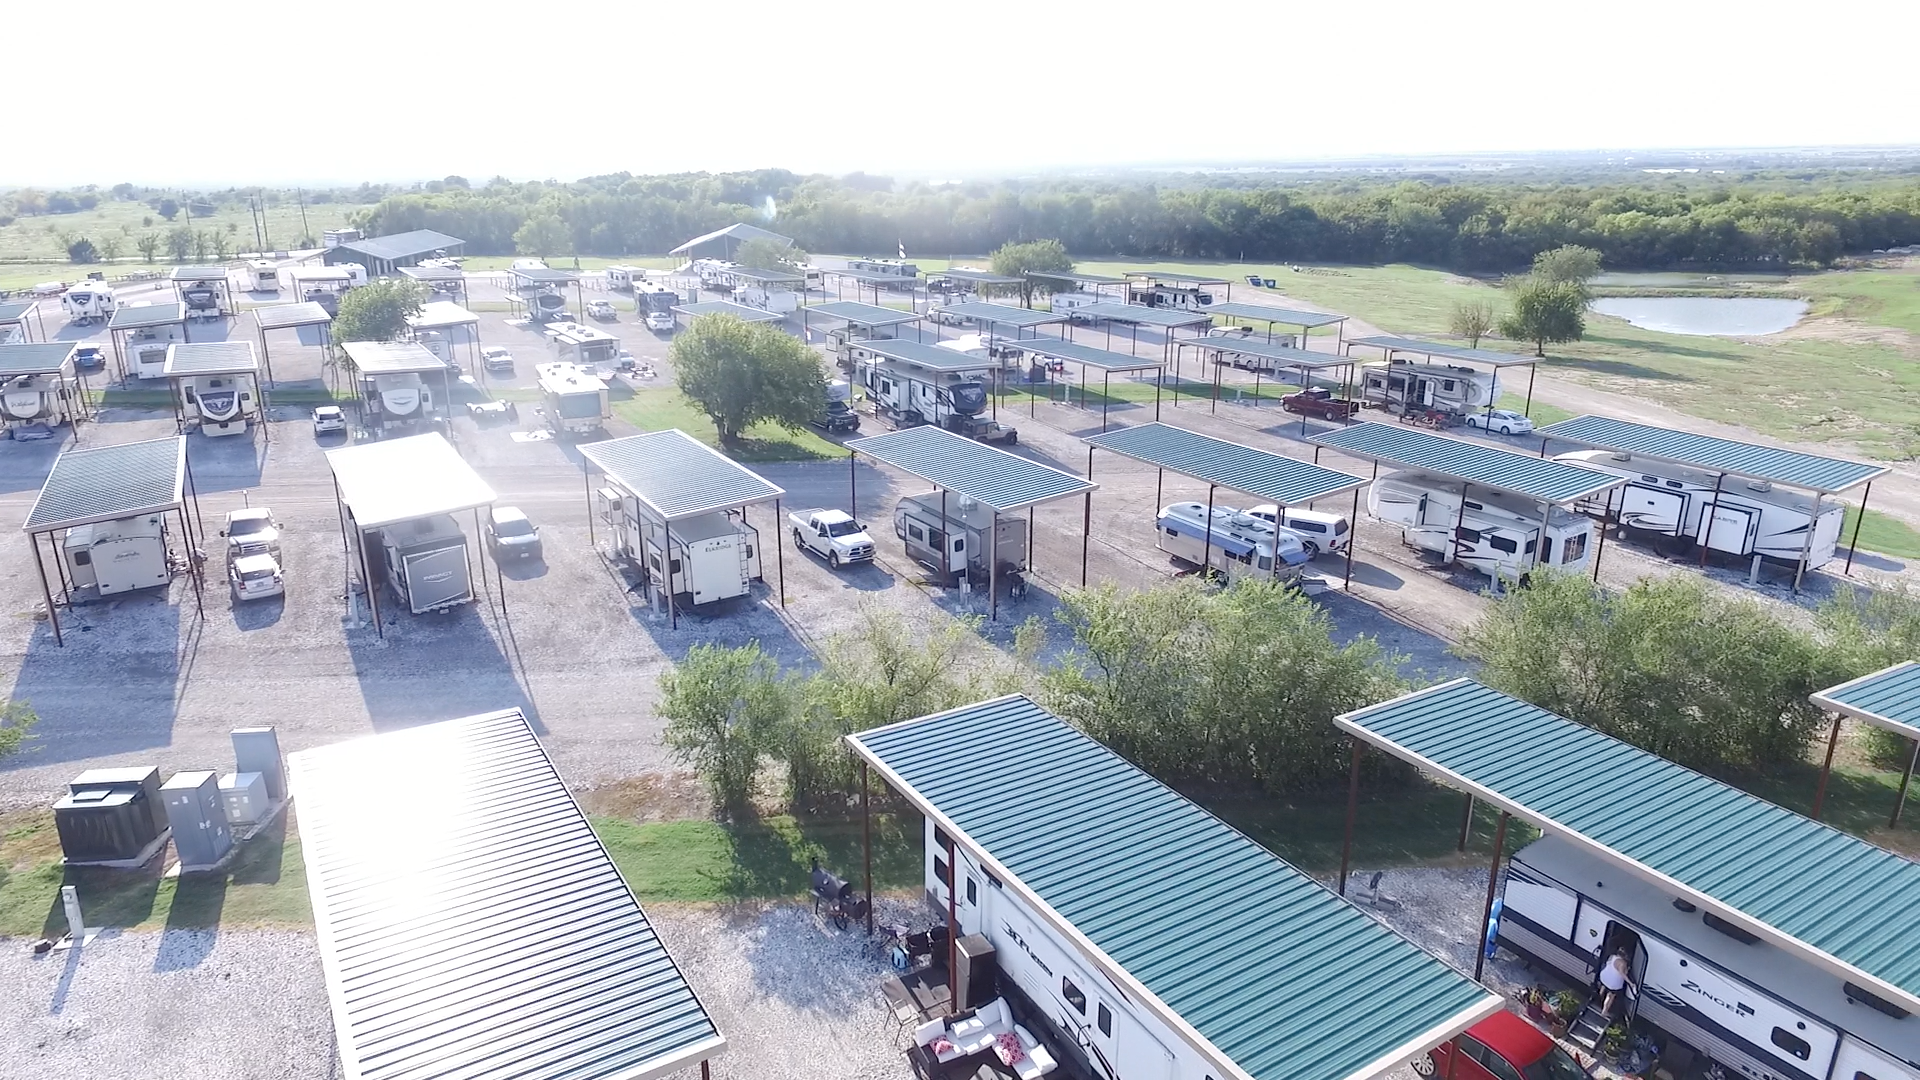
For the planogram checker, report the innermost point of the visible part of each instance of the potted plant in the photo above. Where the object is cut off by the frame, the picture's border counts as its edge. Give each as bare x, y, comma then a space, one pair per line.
1539, 1010
1567, 1004
1612, 1042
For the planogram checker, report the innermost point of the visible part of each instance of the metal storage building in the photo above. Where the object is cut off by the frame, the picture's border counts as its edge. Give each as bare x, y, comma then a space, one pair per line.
383, 256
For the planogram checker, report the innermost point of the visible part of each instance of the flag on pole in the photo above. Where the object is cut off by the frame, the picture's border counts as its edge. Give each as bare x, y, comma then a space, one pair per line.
903, 249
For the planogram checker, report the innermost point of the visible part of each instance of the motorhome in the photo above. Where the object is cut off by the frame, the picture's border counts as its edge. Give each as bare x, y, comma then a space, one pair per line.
624, 278
1490, 532
926, 524
424, 561
263, 276
653, 299
220, 404
574, 399
1318, 530
112, 557
545, 300
714, 556
589, 347
398, 399
208, 299
1668, 506
1742, 1001
87, 302
1235, 544
47, 399
1401, 386
1179, 297
906, 272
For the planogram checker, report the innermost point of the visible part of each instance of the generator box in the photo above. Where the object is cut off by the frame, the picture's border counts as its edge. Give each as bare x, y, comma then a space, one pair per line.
201, 836
257, 749
244, 795
110, 815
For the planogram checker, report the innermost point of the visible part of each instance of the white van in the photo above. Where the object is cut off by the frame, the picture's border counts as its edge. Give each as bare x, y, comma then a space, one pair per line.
1318, 530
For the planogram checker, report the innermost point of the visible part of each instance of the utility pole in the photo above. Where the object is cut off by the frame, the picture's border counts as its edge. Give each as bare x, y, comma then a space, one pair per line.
258, 243
305, 229
266, 231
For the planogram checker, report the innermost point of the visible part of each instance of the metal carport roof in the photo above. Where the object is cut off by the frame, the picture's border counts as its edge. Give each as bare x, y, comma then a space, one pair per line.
391, 357
755, 273
404, 245
985, 474
1002, 314
1306, 320
288, 316
141, 317
211, 358
35, 358
1887, 699
471, 924
977, 277
11, 311
860, 314
1141, 315
727, 307
384, 483
1077, 278
434, 273
1284, 355
739, 232
1544, 479
107, 483
546, 276
199, 273
1814, 472
1170, 275
1260, 970
1101, 359
1449, 352
923, 355
440, 315
678, 476
1833, 899
869, 277
1287, 481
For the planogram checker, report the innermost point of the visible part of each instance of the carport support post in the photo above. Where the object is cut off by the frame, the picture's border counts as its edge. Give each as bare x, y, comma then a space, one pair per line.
1458, 521
946, 545
1806, 546
853, 485
666, 571
1206, 547
1600, 548
1106, 400
1900, 800
1466, 824
866, 840
1826, 769
1353, 810
993, 565
1527, 409
54, 616
780, 563
1486, 911
587, 476
1854, 544
1353, 536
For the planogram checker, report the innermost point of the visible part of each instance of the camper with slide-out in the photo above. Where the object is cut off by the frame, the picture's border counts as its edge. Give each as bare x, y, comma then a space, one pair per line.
948, 534
710, 558
574, 400
1232, 543
120, 556
1495, 534
424, 561
1401, 387
88, 302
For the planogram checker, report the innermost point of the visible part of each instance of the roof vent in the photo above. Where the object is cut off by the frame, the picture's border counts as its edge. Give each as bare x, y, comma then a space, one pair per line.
1617, 456
1858, 996
1759, 485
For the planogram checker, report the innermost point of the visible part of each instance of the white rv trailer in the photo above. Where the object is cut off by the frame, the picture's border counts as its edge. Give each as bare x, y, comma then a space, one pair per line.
117, 556
48, 397
221, 404
1178, 297
208, 299
1238, 545
908, 395
87, 302
1401, 385
714, 556
1066, 303
894, 268
575, 399
623, 278
758, 295
587, 346
925, 526
147, 346
1742, 1001
1491, 532
263, 276
425, 562
396, 399
1664, 502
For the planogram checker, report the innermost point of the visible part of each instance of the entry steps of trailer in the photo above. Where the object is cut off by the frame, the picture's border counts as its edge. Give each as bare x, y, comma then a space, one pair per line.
1587, 1027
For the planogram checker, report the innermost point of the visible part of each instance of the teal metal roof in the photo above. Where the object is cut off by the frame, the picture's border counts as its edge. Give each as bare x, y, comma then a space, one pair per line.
1832, 898
1104, 359
1175, 276
35, 358
1284, 355
677, 475
284, 316
1814, 472
1077, 278
1003, 314
871, 277
755, 273
471, 924
986, 474
923, 354
404, 245
1285, 316
145, 315
977, 277
1271, 975
1475, 463
1142, 315
862, 314
211, 358
727, 307
1444, 351
1888, 699
1285, 480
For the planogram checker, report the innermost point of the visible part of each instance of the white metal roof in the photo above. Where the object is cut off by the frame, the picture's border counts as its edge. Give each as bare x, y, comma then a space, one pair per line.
397, 480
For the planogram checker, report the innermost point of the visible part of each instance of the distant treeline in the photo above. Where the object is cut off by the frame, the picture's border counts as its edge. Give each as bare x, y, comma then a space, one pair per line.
1473, 225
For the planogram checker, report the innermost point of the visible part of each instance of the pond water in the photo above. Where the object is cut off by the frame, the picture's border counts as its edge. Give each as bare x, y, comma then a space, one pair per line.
1709, 316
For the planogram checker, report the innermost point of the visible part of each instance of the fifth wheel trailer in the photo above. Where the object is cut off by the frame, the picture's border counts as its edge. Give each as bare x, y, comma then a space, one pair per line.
713, 557
1742, 1001
222, 404
51, 399
88, 302
924, 526
425, 562
117, 556
1495, 534
1401, 385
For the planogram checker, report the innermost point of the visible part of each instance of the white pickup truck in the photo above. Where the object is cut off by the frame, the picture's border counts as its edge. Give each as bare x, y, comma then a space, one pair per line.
832, 534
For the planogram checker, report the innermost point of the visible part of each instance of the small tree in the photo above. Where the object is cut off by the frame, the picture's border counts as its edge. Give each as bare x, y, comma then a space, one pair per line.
180, 243
544, 234
110, 248
221, 244
16, 723
719, 704
1569, 264
768, 255
744, 373
82, 250
167, 208
148, 245
378, 310
1471, 321
1032, 257
1545, 311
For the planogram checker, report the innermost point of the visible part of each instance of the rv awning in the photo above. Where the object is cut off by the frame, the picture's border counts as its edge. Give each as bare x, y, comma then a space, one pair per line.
1793, 468
1285, 480
471, 924
1262, 972
147, 315
385, 483
1282, 355
1306, 320
727, 307
1830, 898
36, 358
1003, 315
442, 315
1099, 359
391, 357
985, 474
1441, 351
975, 277
677, 476
1542, 479
1887, 699
107, 483
211, 358
1141, 315
288, 316
856, 314
921, 354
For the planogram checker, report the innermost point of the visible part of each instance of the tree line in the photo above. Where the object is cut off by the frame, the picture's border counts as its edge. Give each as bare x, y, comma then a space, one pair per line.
1472, 225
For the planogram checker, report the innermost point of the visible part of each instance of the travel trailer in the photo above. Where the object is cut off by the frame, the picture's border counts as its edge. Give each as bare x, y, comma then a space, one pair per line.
714, 556
425, 562
48, 399
756, 295
1066, 303
906, 395
575, 399
1401, 386
623, 278
396, 400
220, 404
1238, 545
87, 302
589, 347
1179, 297
263, 276
147, 348
207, 299
961, 528
1668, 505
894, 268
1493, 533
117, 556
1742, 1001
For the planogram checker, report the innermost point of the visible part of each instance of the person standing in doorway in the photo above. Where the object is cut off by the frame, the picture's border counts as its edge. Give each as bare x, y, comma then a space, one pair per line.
1615, 977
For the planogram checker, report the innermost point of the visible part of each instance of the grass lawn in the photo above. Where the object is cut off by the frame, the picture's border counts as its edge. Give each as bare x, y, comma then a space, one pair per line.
1887, 535
1881, 297
704, 861
1541, 413
665, 407
36, 238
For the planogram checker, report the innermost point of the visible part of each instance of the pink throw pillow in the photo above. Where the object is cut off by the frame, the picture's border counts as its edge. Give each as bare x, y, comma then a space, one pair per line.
1008, 1047
941, 1045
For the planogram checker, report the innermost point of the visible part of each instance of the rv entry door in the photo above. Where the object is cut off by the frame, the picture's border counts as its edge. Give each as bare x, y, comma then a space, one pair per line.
1623, 938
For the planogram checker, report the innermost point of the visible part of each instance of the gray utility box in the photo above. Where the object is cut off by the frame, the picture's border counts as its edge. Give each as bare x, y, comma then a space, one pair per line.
144, 777
257, 749
245, 797
200, 832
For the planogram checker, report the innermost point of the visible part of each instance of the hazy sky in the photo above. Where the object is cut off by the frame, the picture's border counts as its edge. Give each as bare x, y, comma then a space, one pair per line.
928, 89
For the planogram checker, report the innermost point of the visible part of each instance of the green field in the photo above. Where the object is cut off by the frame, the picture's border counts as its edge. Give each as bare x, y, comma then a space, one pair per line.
665, 407
34, 249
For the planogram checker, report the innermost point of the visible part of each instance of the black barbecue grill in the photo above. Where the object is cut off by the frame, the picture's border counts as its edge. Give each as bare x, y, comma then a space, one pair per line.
841, 903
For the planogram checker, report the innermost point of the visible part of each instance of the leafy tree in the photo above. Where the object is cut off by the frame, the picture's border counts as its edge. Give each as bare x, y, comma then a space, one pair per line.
719, 703
1569, 264
200, 242
81, 250
122, 191
1472, 321
768, 255
62, 203
87, 200
16, 723
1032, 257
148, 245
220, 243
1864, 631
146, 222
110, 248
1545, 311
378, 310
543, 235
167, 208
744, 373
180, 243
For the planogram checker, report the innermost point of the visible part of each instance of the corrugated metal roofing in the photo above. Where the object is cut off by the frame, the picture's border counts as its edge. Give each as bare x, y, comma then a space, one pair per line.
1772, 463
677, 475
1476, 463
1287, 355
924, 354
106, 483
755, 273
983, 473
440, 314
137, 318
472, 925
1285, 480
1176, 276
35, 358
1444, 351
287, 316
1078, 279
1003, 314
12, 311
862, 314
404, 245
739, 232
434, 273
1888, 699
1830, 897
320, 273
394, 480
977, 277
1271, 974
199, 273
545, 276
211, 358
1104, 359
727, 307
1141, 315
1285, 316
391, 357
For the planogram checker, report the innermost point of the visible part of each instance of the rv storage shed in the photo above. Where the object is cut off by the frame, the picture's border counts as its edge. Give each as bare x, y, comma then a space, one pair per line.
690, 312
471, 924
383, 256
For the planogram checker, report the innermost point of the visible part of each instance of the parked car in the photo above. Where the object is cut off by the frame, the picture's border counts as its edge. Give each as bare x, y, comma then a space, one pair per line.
251, 531
939, 314
328, 418
253, 577
832, 534
1320, 402
89, 356
1501, 1047
1502, 421
510, 535
660, 320
600, 309
495, 358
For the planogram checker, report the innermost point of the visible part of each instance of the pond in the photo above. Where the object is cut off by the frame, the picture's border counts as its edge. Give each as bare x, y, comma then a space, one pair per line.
1711, 316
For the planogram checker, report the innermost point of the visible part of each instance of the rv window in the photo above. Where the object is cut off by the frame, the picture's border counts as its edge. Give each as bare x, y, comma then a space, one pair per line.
1792, 1044
973, 890
940, 872
1501, 543
676, 566
1651, 479
1447, 385
1873, 1001
1530, 545
1173, 532
749, 551
916, 532
1471, 505
1674, 484
1075, 997
1266, 563
959, 544
1105, 1019
1573, 548
1739, 934
1466, 535
82, 558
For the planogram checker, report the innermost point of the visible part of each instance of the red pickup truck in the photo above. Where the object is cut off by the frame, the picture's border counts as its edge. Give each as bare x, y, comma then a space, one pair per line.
1320, 403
